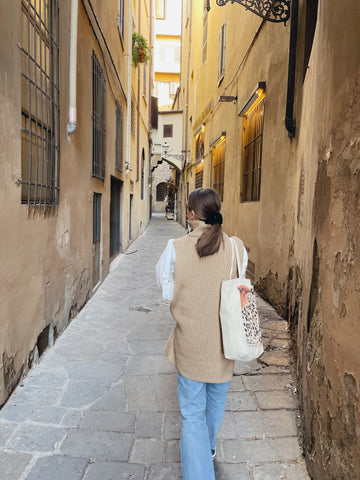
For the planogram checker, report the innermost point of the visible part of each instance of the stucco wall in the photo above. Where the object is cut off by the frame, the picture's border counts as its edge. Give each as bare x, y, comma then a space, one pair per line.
248, 60
47, 261
323, 296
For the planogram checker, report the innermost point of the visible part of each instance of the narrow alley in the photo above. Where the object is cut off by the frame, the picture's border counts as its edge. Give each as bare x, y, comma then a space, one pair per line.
102, 403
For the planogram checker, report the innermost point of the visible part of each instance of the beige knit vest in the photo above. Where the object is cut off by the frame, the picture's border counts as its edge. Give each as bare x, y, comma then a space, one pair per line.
195, 346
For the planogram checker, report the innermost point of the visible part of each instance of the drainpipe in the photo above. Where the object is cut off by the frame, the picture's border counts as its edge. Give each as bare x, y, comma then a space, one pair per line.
187, 88
71, 126
290, 123
128, 93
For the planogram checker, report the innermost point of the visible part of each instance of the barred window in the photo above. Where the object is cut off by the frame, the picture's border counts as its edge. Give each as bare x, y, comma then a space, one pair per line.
199, 177
218, 169
253, 137
40, 103
119, 139
98, 169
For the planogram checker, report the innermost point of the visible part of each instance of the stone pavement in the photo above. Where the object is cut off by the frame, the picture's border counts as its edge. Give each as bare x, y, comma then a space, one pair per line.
102, 403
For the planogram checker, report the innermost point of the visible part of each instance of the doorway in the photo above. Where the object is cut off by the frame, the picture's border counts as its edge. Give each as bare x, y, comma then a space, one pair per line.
115, 217
96, 237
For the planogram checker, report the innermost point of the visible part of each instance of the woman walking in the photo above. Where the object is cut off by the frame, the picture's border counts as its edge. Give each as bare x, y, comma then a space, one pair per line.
190, 272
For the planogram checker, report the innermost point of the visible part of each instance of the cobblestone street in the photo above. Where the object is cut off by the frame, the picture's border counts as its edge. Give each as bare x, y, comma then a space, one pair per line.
102, 403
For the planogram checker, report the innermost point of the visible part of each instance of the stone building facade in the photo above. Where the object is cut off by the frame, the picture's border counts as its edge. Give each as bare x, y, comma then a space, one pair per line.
271, 121
74, 200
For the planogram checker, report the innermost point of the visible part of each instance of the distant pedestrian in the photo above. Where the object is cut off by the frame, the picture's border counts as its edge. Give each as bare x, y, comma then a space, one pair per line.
190, 272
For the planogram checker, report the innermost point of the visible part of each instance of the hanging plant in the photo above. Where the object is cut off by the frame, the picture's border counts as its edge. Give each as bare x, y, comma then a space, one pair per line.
140, 49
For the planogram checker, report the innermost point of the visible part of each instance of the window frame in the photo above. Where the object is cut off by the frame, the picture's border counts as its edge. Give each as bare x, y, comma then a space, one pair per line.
119, 154
253, 134
167, 134
98, 119
40, 126
218, 153
222, 52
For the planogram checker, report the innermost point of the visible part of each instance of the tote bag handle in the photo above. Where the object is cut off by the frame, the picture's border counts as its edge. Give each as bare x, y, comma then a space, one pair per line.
234, 247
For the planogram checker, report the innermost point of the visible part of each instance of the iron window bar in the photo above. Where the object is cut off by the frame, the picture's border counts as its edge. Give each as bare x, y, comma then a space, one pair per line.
119, 139
40, 105
98, 118
252, 154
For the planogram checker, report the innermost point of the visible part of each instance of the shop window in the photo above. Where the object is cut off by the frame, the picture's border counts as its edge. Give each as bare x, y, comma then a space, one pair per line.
253, 139
218, 168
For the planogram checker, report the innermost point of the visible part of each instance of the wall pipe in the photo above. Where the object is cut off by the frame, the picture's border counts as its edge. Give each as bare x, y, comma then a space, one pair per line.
290, 123
72, 123
128, 93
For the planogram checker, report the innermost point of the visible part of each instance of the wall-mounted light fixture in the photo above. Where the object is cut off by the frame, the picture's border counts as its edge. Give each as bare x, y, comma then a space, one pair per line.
227, 98
276, 11
216, 142
165, 147
255, 98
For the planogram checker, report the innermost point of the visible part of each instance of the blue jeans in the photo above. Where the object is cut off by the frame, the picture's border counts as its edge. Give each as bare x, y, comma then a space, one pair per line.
202, 409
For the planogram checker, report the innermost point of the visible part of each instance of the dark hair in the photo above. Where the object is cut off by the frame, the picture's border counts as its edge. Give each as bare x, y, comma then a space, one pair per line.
205, 202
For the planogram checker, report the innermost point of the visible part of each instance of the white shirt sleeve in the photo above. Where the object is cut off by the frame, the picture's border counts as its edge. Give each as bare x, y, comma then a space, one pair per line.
244, 264
164, 269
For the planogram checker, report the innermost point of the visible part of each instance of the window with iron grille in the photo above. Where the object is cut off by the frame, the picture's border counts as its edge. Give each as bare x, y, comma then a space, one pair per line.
221, 60
168, 130
199, 178
40, 103
253, 138
119, 139
218, 169
98, 119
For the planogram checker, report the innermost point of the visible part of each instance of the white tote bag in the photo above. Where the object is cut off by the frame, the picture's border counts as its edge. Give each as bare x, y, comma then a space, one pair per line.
240, 324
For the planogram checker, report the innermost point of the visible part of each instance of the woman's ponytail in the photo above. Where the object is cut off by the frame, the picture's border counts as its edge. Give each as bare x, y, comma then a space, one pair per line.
206, 205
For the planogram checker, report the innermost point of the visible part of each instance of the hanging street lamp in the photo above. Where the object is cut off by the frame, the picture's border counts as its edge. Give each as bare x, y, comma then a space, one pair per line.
277, 11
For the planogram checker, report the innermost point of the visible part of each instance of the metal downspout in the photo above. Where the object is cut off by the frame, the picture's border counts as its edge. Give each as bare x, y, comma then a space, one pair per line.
128, 93
72, 123
187, 89
290, 123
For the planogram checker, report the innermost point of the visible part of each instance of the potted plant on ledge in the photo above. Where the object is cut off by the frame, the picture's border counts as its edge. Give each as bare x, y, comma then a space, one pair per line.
140, 50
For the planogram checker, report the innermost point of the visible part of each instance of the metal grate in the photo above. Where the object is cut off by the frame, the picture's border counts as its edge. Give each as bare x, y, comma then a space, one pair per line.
40, 104
98, 118
218, 169
199, 175
253, 137
119, 139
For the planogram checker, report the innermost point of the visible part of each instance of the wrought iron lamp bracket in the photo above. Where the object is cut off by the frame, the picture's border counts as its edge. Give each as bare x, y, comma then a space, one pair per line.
277, 11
